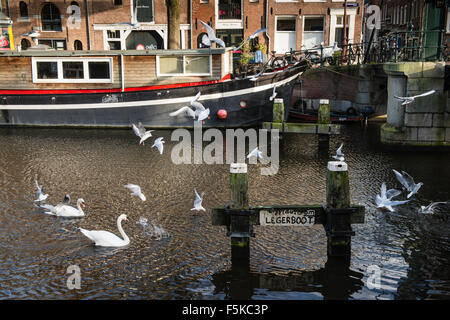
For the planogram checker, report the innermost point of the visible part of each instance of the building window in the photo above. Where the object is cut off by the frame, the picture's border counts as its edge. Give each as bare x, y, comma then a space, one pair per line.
143, 10
71, 70
23, 9
183, 65
230, 10
231, 37
51, 18
25, 44
54, 43
117, 2
77, 45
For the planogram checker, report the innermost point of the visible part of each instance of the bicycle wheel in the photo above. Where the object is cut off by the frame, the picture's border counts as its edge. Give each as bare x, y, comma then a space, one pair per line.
278, 62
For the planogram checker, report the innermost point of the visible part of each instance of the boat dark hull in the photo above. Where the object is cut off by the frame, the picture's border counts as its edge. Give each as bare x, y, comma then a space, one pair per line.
312, 117
151, 106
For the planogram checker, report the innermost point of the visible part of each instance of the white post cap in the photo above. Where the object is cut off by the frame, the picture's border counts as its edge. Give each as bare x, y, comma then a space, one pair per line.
238, 168
337, 166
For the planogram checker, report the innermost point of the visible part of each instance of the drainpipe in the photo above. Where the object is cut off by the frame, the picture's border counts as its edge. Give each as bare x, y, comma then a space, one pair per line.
190, 18
87, 25
267, 19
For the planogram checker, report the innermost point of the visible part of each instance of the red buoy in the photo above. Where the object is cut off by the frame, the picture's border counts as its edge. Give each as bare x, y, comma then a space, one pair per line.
222, 114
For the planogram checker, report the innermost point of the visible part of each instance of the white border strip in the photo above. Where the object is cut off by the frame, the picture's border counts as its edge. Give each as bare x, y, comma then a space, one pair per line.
146, 102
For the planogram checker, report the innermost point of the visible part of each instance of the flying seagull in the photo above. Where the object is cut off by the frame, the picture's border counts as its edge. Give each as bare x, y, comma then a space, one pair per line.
211, 36
135, 191
384, 201
274, 94
40, 193
430, 208
140, 131
408, 100
187, 110
198, 201
339, 155
254, 35
203, 115
256, 76
408, 182
159, 144
255, 153
32, 34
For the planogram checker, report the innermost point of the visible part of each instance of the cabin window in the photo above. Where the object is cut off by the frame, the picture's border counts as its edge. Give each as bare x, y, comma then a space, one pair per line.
72, 70
47, 70
25, 44
98, 70
51, 18
184, 65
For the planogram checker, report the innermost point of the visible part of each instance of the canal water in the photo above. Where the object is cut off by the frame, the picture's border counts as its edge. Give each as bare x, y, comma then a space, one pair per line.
187, 257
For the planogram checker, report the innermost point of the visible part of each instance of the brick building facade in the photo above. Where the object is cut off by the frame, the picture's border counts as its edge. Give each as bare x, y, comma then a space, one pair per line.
125, 24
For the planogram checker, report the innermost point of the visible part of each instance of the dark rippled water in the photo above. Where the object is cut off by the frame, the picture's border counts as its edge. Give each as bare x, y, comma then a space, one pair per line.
410, 249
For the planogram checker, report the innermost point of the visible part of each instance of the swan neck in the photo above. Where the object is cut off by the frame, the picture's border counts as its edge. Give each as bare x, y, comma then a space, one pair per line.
79, 207
122, 233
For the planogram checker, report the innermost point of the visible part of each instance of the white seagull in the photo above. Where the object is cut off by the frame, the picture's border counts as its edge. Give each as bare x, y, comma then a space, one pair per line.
211, 36
339, 155
203, 115
198, 201
383, 200
408, 100
140, 131
255, 153
107, 239
32, 34
408, 182
254, 35
135, 191
187, 110
40, 193
66, 211
430, 208
274, 94
159, 144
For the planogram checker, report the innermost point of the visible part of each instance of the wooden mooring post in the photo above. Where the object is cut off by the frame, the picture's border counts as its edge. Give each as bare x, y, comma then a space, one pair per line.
323, 128
336, 215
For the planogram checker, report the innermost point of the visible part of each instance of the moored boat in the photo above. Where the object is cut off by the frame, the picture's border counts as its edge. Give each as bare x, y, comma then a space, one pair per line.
117, 88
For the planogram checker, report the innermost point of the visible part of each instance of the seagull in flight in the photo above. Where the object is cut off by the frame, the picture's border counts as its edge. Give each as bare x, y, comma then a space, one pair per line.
40, 193
255, 153
135, 191
274, 93
408, 100
198, 201
383, 200
256, 76
408, 182
211, 36
339, 155
32, 34
203, 115
189, 111
430, 208
159, 144
140, 131
254, 35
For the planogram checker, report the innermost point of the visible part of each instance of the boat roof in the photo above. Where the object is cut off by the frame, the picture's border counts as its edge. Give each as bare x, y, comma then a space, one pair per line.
84, 53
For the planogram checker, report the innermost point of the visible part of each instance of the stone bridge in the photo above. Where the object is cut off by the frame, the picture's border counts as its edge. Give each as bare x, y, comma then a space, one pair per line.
425, 122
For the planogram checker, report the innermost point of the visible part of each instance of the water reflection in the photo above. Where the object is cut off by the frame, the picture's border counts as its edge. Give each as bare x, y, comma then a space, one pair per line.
195, 260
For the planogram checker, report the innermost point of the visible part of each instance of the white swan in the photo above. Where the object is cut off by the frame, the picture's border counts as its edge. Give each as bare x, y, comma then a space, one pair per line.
64, 210
107, 239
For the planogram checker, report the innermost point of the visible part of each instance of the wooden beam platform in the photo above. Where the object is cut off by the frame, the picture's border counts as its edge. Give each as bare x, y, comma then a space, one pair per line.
294, 127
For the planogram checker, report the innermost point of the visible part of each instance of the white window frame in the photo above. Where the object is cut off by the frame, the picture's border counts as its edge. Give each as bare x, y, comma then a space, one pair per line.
134, 19
60, 78
228, 23
448, 21
351, 19
184, 74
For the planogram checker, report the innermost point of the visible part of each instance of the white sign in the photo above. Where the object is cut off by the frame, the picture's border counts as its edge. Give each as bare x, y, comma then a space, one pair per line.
287, 217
